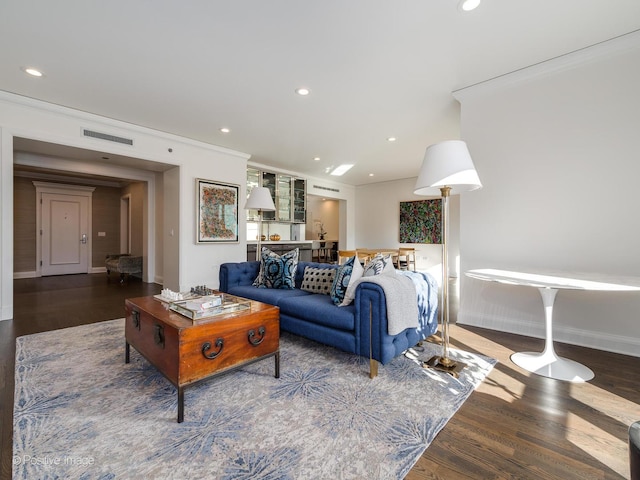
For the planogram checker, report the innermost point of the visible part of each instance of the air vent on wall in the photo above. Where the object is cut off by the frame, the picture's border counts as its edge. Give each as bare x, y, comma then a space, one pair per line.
106, 136
327, 188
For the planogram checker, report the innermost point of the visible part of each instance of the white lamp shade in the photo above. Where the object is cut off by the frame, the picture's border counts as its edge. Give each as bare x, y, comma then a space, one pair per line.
260, 199
447, 164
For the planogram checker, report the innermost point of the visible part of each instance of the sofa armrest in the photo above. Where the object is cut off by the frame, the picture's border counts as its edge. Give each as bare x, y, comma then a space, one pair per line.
371, 320
372, 325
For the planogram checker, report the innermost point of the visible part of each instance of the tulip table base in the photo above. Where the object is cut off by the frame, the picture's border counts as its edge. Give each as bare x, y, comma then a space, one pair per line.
547, 363
552, 366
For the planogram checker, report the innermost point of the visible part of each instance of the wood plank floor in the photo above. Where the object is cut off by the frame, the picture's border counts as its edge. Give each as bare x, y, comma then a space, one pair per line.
515, 426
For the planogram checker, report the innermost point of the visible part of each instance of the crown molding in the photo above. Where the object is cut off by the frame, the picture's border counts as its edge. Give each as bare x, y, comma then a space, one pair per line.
84, 117
618, 45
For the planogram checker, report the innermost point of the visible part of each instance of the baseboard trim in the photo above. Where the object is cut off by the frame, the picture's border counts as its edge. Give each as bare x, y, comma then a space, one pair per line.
6, 312
572, 336
34, 274
19, 275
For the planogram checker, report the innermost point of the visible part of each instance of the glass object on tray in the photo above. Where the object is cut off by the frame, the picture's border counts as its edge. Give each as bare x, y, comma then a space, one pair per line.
210, 306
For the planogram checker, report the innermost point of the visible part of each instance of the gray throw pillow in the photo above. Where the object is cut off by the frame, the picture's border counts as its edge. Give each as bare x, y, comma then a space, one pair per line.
379, 265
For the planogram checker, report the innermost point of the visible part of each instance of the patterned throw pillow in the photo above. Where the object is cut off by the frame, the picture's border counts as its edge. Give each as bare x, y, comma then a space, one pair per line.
346, 275
277, 271
378, 265
318, 280
356, 274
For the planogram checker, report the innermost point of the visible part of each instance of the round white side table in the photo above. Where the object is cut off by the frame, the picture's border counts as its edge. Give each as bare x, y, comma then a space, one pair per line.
547, 363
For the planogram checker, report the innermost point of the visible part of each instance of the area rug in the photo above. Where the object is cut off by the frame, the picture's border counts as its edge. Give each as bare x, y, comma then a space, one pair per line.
81, 412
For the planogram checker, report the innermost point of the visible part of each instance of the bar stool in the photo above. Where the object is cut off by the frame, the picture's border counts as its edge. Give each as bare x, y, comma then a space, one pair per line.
324, 252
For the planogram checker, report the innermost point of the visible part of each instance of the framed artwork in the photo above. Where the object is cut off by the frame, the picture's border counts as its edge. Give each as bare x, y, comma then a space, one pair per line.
421, 221
217, 211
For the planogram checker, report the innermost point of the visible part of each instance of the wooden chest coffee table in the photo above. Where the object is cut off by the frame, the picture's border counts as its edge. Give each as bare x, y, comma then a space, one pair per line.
187, 351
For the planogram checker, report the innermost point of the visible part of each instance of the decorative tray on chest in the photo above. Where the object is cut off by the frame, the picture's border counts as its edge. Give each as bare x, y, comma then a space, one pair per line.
210, 306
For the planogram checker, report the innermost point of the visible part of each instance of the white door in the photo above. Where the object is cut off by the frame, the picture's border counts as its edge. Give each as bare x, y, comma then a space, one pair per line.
65, 234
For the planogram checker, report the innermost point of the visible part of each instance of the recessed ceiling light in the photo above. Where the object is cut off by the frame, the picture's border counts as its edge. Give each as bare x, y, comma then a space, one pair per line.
316, 159
341, 169
225, 130
468, 5
33, 71
391, 139
371, 174
303, 91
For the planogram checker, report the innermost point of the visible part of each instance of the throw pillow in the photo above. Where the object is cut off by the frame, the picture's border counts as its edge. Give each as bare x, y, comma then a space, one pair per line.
356, 274
277, 271
318, 280
379, 265
346, 274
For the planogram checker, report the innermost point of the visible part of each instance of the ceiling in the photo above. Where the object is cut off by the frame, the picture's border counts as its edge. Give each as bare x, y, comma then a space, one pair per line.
375, 68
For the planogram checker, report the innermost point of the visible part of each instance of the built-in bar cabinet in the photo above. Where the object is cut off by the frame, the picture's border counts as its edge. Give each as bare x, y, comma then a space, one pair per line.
289, 196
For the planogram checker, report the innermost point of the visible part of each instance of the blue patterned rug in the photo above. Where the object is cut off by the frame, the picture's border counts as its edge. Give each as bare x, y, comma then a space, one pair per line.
81, 412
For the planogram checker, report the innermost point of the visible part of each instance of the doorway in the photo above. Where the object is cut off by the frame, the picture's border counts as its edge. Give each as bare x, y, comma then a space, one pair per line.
63, 220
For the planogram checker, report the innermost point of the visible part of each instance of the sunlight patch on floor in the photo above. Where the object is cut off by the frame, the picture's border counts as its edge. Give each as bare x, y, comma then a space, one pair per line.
623, 410
502, 382
612, 452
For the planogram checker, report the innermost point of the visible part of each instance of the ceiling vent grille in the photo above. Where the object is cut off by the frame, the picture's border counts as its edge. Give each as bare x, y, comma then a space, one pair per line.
337, 190
107, 137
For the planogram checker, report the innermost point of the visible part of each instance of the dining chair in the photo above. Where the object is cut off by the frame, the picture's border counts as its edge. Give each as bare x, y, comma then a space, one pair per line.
344, 255
406, 258
364, 257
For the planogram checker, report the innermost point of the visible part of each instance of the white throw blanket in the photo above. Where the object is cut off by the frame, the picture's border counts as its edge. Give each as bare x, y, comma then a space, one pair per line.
402, 304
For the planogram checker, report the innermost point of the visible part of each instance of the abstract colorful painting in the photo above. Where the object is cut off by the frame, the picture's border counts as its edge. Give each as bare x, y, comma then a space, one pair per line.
217, 205
421, 221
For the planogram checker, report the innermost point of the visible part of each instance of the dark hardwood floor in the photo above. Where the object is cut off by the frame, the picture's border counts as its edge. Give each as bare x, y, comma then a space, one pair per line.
516, 425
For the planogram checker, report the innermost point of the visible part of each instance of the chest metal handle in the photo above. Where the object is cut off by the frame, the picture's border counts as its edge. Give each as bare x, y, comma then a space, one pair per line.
207, 346
252, 336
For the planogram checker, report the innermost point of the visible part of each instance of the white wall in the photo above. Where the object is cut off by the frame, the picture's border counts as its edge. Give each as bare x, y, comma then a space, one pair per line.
326, 212
378, 223
557, 148
185, 263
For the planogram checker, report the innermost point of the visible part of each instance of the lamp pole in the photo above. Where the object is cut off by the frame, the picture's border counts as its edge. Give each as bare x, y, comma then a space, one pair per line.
444, 359
259, 237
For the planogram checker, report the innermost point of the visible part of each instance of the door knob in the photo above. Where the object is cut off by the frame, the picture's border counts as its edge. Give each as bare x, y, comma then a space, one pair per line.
84, 238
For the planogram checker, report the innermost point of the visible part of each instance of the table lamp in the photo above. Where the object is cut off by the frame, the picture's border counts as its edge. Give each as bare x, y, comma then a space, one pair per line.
447, 169
259, 199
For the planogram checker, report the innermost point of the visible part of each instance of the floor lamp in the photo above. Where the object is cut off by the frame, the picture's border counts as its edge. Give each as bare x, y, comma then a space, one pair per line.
260, 199
447, 169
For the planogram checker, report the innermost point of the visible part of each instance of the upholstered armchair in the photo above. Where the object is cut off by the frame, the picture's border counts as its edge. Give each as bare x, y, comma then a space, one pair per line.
123, 263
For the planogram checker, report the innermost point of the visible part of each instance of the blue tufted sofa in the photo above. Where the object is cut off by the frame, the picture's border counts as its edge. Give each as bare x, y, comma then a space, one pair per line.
359, 328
